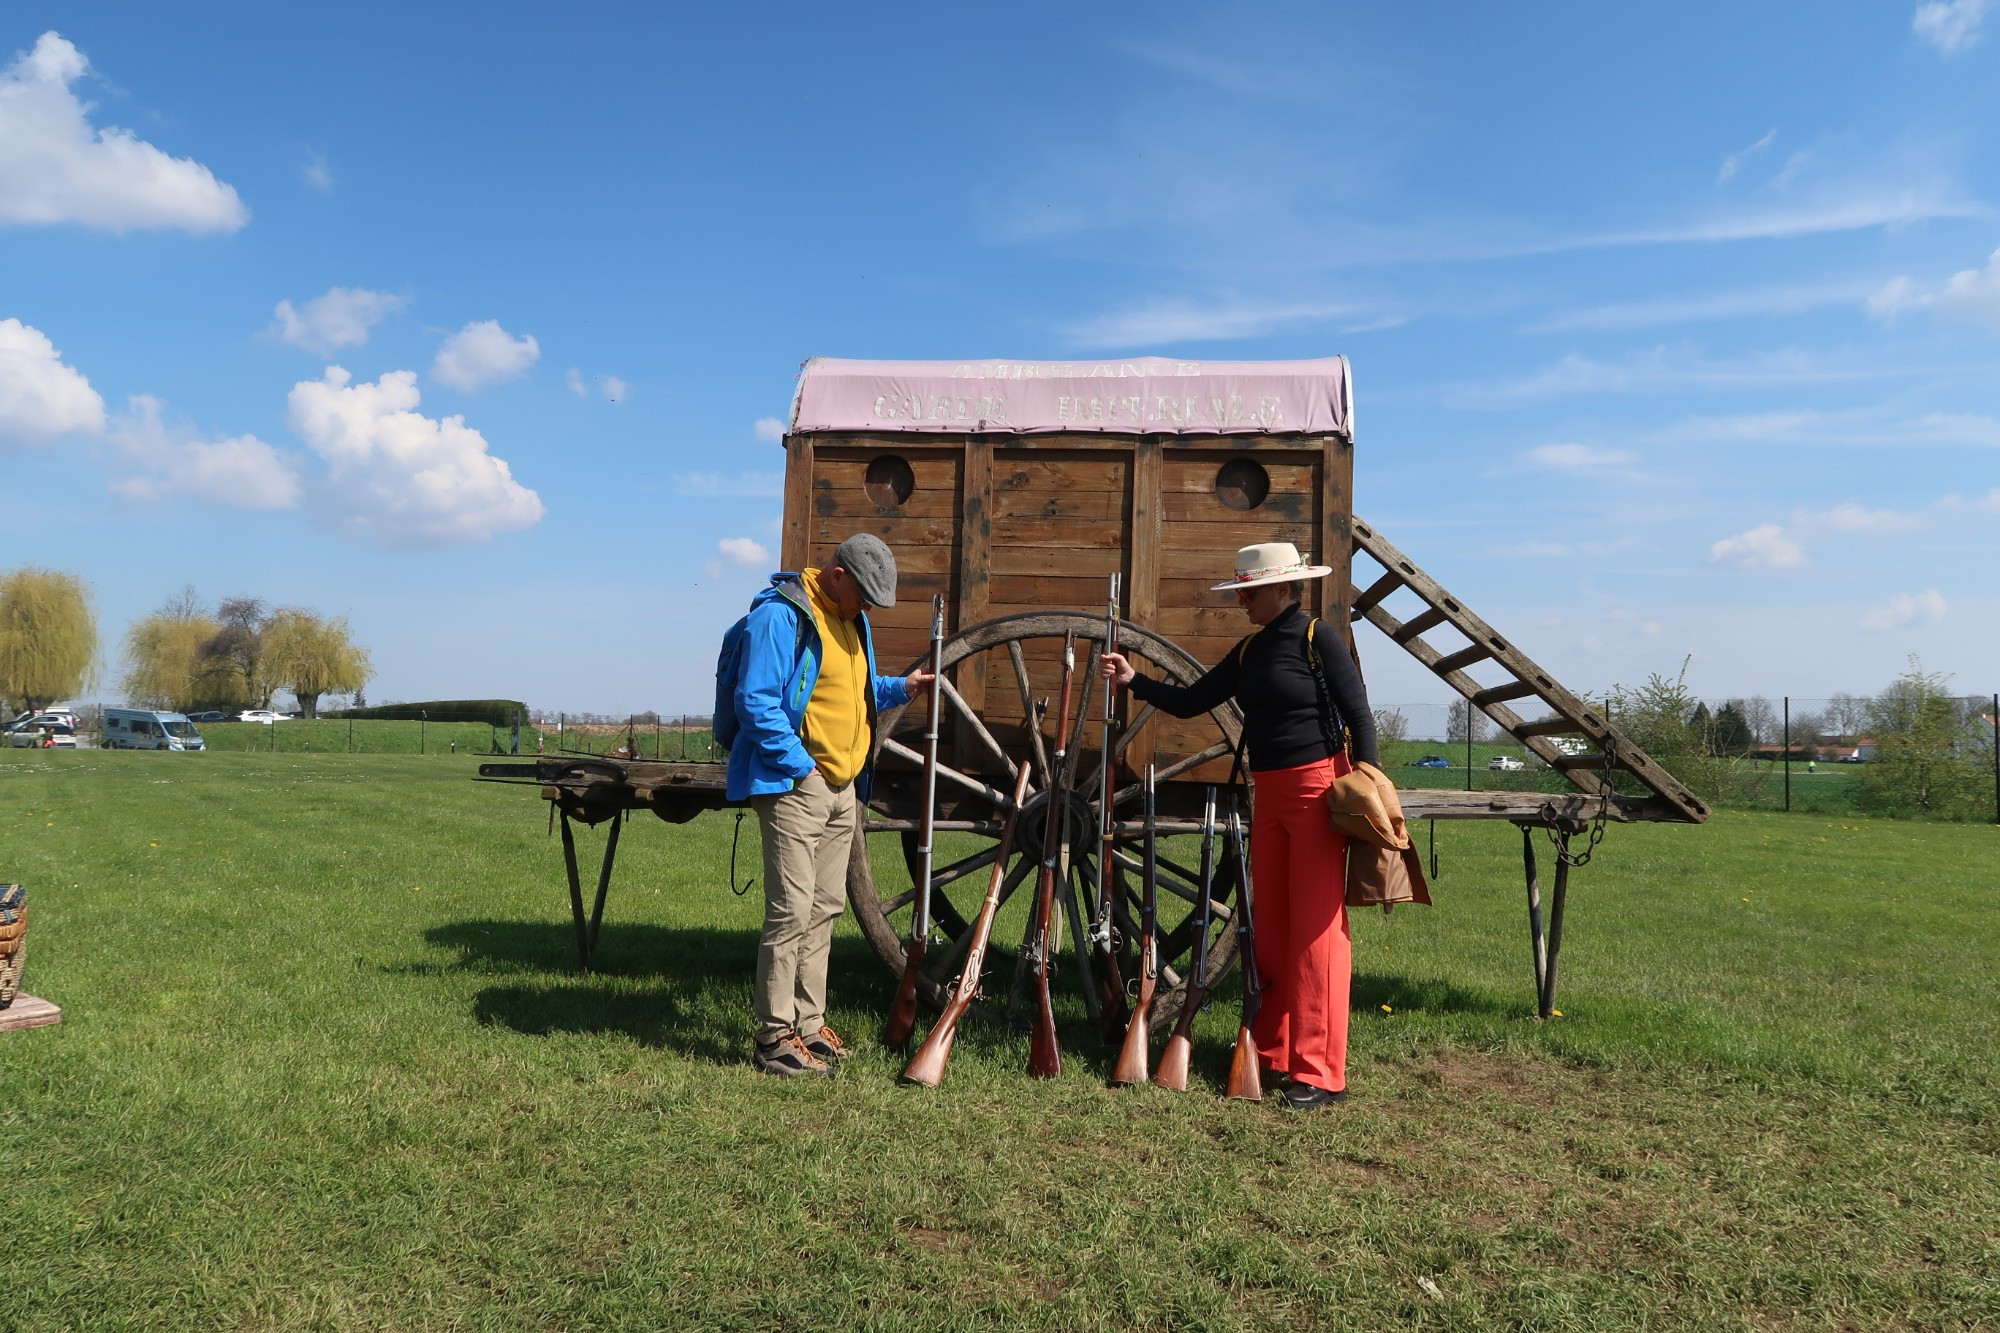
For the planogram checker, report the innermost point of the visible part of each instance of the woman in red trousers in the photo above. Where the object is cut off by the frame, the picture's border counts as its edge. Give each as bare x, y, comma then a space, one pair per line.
1293, 730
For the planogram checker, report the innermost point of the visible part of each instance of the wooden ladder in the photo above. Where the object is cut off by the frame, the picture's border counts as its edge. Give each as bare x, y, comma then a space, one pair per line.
1570, 716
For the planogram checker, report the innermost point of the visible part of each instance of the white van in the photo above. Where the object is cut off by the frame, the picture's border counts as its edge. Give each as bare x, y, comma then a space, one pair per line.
144, 729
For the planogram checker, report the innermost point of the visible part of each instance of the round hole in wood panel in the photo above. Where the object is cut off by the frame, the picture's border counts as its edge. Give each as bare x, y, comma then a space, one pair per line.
889, 481
1242, 483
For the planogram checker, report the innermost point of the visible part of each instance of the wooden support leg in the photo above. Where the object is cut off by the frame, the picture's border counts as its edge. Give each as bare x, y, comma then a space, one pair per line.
575, 895
604, 879
1537, 942
586, 927
1561, 893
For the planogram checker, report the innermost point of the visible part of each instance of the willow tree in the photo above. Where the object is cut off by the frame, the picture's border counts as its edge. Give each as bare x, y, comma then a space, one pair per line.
166, 665
48, 637
312, 655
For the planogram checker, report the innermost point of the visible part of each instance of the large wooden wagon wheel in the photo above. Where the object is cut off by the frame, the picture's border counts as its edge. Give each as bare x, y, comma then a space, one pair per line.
1013, 658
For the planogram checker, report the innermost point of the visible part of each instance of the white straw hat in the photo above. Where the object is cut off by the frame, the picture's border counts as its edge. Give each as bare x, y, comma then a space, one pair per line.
1271, 562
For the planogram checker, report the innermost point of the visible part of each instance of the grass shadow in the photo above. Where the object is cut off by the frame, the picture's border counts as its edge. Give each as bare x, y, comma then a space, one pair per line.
1421, 995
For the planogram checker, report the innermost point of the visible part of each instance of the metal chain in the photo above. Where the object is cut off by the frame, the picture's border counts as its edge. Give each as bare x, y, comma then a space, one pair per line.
1559, 838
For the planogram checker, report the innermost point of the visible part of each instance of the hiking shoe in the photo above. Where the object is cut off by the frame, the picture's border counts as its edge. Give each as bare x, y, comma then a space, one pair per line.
787, 1057
827, 1046
1305, 1097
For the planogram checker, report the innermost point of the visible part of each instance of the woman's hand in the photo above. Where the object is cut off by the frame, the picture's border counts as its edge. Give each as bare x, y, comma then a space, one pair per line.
1114, 667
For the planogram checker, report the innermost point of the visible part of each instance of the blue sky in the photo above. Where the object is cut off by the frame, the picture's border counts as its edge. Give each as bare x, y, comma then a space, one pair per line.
1674, 332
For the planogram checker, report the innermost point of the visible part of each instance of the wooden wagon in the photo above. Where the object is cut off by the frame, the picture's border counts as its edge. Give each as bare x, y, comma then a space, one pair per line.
1019, 491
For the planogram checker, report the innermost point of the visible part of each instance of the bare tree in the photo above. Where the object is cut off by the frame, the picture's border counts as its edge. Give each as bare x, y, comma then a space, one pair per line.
1391, 725
1761, 716
1848, 716
236, 652
48, 637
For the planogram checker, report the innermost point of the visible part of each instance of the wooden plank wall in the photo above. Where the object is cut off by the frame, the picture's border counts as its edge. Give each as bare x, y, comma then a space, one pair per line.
1004, 524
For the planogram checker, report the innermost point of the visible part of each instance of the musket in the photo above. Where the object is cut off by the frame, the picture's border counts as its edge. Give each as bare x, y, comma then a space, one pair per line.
1110, 986
1044, 1059
1244, 1080
927, 1065
1173, 1071
1131, 1066
903, 1012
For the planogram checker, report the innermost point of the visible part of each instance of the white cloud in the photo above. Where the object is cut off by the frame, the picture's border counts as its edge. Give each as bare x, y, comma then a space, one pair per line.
1864, 427
1971, 294
243, 472
1852, 520
1737, 304
1764, 547
574, 378
1580, 459
769, 428
1949, 25
745, 552
1175, 320
1734, 162
40, 397
399, 477
55, 167
760, 485
483, 353
614, 388
610, 386
316, 172
1926, 607
341, 318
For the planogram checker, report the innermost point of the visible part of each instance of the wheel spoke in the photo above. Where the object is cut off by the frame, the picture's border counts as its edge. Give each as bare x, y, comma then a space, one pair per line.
1174, 770
941, 967
1172, 884
1132, 729
1028, 709
1000, 799
978, 727
1080, 938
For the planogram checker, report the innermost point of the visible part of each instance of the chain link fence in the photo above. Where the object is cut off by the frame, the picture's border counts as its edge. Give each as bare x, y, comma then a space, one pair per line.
1911, 751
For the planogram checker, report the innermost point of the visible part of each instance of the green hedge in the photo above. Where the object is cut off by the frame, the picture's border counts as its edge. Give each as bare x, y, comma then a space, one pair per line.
493, 712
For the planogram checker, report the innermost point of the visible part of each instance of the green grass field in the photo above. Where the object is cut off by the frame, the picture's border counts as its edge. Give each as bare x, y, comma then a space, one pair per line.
327, 1063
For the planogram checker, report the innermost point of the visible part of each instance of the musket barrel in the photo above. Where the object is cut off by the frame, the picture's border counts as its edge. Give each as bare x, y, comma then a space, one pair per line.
902, 1020
1044, 1052
1173, 1071
1245, 1082
1131, 1065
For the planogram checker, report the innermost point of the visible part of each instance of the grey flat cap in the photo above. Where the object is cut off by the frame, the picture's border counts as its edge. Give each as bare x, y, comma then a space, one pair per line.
867, 558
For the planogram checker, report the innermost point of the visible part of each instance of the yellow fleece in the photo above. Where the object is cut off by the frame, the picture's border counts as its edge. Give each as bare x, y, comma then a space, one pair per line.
836, 730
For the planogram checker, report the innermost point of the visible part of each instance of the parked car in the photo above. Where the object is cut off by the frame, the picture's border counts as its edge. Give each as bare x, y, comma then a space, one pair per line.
1505, 763
264, 715
1432, 761
47, 735
212, 715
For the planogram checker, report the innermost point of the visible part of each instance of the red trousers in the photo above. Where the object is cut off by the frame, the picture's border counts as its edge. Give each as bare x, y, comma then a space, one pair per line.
1298, 867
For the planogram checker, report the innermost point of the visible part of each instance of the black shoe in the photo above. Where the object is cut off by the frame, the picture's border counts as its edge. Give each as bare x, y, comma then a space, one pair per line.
1305, 1097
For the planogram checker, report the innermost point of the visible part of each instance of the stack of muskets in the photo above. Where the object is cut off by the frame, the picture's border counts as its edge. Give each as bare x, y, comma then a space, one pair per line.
1110, 986
903, 1012
1174, 1060
1044, 1059
1244, 1081
1131, 1066
927, 1065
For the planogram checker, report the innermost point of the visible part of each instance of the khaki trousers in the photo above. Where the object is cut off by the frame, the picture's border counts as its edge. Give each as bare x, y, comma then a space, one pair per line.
808, 834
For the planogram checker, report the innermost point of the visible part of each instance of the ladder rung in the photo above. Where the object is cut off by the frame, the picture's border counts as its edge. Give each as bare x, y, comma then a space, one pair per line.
1500, 694
1417, 624
1566, 762
1459, 660
1554, 726
1369, 599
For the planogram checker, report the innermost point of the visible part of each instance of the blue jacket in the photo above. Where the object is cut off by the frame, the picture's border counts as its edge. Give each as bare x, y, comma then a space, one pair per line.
779, 669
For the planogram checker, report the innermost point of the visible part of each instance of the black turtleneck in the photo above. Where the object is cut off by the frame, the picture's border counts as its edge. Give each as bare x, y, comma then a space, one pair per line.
1268, 676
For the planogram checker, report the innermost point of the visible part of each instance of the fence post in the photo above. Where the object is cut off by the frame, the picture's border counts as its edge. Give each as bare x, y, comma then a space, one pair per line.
1996, 758
1788, 754
423, 720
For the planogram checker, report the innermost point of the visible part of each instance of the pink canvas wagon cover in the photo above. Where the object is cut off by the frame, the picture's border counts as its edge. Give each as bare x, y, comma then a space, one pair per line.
1143, 396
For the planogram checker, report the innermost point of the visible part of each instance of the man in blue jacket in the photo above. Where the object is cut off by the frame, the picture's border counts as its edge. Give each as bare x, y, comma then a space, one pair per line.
807, 697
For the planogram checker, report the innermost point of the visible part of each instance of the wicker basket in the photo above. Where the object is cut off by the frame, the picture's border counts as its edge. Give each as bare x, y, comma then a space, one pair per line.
13, 939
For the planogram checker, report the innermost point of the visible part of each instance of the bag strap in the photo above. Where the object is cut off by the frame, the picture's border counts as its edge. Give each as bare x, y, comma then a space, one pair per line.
1329, 716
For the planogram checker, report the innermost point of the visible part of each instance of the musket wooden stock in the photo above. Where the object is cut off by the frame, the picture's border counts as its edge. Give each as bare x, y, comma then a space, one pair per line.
1131, 1065
1173, 1071
927, 1065
1044, 1055
903, 1010
1244, 1080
